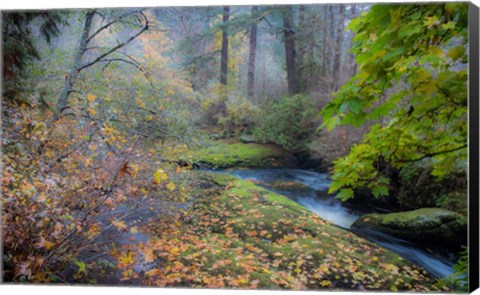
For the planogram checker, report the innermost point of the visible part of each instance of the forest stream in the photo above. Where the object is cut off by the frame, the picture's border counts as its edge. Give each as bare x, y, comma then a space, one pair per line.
311, 192
169, 147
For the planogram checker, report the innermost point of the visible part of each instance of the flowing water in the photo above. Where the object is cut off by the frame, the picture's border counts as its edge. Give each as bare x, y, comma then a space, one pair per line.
312, 194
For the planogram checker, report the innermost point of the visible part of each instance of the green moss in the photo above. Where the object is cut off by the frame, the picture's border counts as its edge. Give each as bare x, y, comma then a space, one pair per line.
277, 243
222, 179
433, 227
222, 155
419, 219
288, 185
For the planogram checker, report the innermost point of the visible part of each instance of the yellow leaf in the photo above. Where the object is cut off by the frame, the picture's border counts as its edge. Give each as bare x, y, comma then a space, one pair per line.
134, 230
140, 103
94, 230
135, 169
126, 259
206, 280
175, 250
170, 186
88, 162
92, 111
390, 267
120, 225
325, 283
91, 97
160, 175
81, 267
437, 51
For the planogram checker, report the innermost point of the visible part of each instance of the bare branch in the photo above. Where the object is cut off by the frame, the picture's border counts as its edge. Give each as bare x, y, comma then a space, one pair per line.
111, 23
136, 65
120, 45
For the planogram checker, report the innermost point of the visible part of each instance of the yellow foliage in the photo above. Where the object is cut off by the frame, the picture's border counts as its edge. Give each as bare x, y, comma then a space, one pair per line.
91, 97
160, 175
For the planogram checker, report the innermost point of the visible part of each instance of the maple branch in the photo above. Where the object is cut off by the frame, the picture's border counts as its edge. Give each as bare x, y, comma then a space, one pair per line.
89, 211
429, 155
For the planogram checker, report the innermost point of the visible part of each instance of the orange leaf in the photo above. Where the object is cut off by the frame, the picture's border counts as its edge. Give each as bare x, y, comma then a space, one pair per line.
148, 255
125, 169
120, 225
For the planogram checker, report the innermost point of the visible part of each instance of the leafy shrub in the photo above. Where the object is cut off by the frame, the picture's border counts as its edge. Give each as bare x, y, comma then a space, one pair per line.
240, 115
212, 110
419, 188
456, 201
214, 105
288, 122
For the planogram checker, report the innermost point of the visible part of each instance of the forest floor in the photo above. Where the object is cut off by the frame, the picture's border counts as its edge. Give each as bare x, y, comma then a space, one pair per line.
235, 234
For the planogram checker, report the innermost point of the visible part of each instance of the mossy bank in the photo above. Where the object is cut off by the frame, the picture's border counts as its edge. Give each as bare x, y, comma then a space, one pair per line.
223, 155
243, 236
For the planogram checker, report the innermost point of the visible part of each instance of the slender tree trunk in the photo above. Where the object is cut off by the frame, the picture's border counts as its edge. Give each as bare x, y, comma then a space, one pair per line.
224, 52
325, 51
337, 62
62, 103
330, 38
251, 55
353, 64
302, 49
264, 78
290, 53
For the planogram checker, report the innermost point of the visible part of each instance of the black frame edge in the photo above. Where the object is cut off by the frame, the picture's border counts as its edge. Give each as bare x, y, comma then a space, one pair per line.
473, 210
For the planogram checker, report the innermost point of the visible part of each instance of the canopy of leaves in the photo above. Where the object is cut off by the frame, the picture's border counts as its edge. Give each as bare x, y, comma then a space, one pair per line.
412, 79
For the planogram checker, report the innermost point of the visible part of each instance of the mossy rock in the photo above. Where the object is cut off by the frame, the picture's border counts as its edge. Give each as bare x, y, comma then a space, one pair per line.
426, 226
287, 185
222, 156
246, 139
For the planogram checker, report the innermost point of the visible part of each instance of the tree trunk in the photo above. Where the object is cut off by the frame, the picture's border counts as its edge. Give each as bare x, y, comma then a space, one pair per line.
351, 55
224, 53
62, 103
325, 51
290, 53
251, 55
338, 48
302, 48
